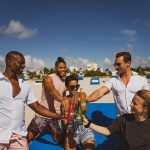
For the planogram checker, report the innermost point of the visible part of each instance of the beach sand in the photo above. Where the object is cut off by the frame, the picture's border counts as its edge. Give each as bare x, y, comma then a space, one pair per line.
85, 84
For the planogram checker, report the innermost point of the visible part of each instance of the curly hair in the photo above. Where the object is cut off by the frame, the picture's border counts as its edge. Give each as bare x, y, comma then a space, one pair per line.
60, 60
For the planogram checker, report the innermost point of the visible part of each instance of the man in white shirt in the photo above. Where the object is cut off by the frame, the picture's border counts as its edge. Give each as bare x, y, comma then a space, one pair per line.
14, 94
123, 86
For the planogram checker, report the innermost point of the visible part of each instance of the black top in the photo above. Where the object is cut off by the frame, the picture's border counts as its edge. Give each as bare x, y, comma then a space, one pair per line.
135, 133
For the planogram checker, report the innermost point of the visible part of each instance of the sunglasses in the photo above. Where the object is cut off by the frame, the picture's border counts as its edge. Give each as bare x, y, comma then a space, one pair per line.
72, 87
117, 64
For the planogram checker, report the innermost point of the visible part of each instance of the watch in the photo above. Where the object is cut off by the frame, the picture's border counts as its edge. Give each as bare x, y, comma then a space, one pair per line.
88, 124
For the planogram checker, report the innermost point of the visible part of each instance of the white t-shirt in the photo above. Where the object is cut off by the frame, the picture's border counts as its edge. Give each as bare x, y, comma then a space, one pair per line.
122, 94
12, 110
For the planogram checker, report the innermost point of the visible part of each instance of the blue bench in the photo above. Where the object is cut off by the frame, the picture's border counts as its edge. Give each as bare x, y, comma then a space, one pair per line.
80, 78
94, 81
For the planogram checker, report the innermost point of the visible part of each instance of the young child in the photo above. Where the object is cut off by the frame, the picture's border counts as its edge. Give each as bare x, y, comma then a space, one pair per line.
75, 133
134, 127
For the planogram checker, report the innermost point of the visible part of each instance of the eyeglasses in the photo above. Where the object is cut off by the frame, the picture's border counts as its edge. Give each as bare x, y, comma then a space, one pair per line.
117, 64
72, 87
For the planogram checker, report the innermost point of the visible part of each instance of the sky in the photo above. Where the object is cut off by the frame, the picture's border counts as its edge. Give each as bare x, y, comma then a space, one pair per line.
80, 31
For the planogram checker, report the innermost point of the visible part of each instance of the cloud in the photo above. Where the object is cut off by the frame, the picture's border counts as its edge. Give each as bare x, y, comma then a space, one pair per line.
136, 21
18, 30
107, 63
77, 62
129, 46
62, 49
2, 63
146, 24
32, 63
142, 22
129, 33
136, 62
139, 61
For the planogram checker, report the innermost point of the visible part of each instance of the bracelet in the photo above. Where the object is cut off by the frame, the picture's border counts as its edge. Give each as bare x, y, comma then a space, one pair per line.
89, 123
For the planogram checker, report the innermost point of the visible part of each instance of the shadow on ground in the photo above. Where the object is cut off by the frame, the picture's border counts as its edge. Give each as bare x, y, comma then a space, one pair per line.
110, 142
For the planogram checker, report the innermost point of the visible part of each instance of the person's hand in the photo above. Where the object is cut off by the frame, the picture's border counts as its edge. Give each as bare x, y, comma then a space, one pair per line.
85, 120
62, 116
82, 95
65, 121
64, 101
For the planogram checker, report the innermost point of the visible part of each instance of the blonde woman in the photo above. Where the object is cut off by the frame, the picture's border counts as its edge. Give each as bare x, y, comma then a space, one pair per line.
134, 127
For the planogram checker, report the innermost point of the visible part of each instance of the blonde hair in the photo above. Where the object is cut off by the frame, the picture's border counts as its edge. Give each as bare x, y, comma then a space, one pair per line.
145, 95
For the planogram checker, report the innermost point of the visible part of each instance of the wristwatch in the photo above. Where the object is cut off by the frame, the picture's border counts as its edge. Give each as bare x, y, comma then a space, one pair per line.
88, 124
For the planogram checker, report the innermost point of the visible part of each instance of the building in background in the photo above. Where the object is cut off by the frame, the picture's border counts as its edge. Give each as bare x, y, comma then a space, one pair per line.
92, 66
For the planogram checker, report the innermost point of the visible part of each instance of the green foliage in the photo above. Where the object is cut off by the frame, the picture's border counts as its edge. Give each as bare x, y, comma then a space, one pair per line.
107, 73
93, 73
141, 70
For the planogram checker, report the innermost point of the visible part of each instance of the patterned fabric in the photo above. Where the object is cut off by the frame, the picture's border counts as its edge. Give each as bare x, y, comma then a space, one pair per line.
79, 133
84, 134
17, 142
39, 124
69, 108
